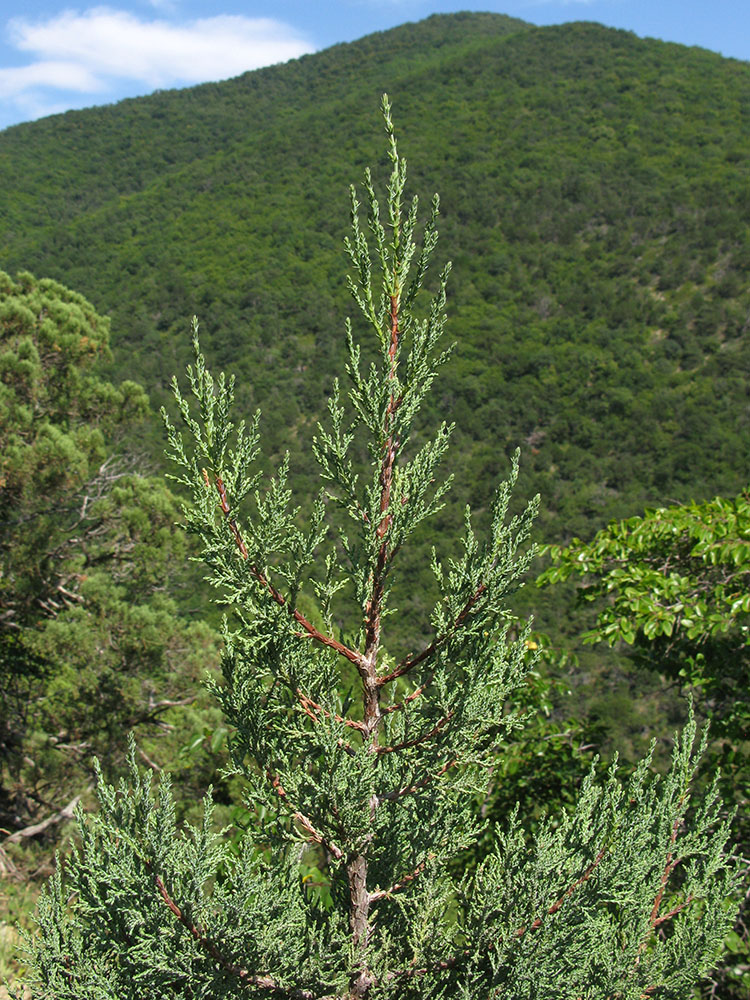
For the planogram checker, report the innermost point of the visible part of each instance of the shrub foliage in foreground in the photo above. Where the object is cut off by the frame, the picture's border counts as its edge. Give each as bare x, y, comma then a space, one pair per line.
362, 767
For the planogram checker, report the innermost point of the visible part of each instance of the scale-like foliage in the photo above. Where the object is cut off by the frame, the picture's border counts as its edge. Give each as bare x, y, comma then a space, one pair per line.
363, 769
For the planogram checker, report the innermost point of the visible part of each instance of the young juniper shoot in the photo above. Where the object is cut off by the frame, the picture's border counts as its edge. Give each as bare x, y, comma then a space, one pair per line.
363, 769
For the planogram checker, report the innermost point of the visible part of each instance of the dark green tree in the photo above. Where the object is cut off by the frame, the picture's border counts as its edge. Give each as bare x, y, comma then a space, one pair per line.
366, 760
91, 646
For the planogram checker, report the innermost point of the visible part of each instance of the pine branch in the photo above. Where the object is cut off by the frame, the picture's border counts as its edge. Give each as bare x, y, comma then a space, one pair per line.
374, 604
308, 707
311, 707
360, 899
399, 793
401, 705
535, 925
669, 866
673, 912
442, 966
309, 629
227, 514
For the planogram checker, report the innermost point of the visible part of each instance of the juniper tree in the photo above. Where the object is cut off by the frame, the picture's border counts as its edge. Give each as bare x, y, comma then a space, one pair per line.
361, 769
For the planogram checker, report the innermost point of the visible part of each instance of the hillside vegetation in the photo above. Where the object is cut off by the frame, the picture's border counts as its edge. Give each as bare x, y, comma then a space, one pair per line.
595, 191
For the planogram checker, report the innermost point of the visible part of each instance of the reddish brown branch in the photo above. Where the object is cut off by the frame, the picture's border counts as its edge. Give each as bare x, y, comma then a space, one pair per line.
412, 661
386, 473
402, 883
398, 793
405, 665
673, 912
536, 924
68, 970
311, 707
409, 698
451, 962
668, 869
303, 820
198, 934
356, 865
669, 866
390, 447
447, 963
308, 708
418, 739
309, 629
230, 520
654, 919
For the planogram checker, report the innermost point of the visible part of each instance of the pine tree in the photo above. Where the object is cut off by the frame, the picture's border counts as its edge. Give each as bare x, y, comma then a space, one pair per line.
88, 637
361, 768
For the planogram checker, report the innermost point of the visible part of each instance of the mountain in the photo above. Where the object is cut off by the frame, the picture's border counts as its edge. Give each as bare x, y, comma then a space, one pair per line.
595, 191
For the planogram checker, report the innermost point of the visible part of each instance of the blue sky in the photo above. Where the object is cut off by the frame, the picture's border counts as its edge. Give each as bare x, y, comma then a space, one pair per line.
56, 55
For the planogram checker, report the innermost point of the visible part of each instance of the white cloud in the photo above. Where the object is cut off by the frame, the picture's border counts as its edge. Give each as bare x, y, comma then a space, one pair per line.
99, 49
115, 43
49, 73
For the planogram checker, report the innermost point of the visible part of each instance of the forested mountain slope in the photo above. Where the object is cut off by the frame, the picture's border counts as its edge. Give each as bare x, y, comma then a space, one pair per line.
595, 197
